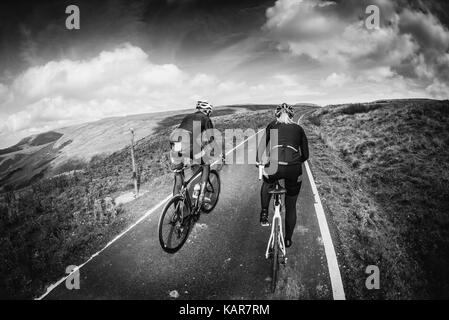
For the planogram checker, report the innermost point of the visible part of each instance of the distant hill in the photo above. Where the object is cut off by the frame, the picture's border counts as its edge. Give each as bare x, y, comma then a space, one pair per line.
70, 148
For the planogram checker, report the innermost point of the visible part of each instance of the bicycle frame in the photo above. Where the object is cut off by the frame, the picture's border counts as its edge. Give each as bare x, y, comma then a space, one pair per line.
277, 216
184, 189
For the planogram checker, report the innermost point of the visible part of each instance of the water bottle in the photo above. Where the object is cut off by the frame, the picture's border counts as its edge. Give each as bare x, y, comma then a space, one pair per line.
196, 191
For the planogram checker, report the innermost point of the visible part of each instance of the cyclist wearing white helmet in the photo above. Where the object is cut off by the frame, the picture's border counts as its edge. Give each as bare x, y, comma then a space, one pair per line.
192, 150
292, 151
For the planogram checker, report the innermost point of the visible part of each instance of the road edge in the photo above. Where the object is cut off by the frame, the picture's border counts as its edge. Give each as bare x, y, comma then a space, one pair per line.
338, 292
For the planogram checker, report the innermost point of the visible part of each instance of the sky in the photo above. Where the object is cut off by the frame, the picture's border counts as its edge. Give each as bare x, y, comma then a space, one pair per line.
132, 57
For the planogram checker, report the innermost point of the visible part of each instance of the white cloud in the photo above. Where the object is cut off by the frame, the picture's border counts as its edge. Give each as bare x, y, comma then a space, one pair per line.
336, 80
117, 82
438, 90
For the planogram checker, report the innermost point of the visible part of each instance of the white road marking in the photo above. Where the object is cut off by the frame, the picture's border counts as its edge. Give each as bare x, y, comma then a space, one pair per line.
149, 212
332, 262
53, 286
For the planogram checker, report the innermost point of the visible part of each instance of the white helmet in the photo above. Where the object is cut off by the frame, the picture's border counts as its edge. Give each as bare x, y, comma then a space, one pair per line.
204, 106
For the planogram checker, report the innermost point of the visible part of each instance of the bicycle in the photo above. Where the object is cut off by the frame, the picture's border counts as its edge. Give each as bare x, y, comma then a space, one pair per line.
276, 245
182, 211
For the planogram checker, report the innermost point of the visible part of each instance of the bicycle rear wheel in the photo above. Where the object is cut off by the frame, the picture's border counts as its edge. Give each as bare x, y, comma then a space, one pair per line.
174, 224
213, 190
275, 257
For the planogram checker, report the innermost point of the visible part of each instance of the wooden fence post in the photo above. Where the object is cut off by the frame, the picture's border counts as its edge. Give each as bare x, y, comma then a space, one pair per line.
136, 189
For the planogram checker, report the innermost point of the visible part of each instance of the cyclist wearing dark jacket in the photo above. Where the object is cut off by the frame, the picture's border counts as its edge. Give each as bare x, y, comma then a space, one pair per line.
191, 149
292, 150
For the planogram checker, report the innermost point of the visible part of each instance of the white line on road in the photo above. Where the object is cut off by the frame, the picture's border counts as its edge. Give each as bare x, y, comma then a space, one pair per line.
146, 215
53, 286
332, 262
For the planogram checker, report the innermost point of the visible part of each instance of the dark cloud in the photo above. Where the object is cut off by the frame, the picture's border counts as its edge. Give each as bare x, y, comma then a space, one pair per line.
33, 32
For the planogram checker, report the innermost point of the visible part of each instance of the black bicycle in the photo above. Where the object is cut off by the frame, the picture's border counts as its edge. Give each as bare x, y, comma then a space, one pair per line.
182, 211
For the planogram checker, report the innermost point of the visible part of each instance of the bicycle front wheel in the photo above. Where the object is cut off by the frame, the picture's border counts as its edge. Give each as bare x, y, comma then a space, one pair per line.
275, 257
174, 224
212, 190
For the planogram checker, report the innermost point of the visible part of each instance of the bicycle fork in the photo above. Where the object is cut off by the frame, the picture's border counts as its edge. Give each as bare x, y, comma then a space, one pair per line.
271, 241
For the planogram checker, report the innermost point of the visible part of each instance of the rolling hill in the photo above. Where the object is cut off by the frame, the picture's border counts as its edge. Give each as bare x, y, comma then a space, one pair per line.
71, 148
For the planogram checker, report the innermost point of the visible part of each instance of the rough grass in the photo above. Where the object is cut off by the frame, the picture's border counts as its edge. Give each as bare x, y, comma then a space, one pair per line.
63, 220
384, 171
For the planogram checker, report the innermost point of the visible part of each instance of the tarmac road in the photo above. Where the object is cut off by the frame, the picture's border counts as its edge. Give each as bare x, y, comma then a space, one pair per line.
224, 257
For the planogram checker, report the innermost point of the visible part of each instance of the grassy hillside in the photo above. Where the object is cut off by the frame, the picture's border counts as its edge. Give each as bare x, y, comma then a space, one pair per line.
71, 148
61, 221
383, 169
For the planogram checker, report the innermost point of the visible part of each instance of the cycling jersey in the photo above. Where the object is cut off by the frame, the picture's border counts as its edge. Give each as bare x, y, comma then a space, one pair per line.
195, 144
291, 147
187, 122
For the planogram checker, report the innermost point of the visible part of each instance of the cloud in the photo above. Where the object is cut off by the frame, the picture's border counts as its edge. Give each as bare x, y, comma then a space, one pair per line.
116, 82
119, 82
336, 80
409, 44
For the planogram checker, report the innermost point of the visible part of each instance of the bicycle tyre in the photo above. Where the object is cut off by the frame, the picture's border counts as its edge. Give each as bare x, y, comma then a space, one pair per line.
187, 219
275, 257
214, 179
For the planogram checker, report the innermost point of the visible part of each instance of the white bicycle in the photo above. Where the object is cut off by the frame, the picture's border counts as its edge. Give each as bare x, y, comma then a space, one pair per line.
276, 245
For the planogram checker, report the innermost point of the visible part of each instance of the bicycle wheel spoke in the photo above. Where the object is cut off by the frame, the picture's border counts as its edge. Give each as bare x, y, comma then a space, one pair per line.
213, 190
173, 229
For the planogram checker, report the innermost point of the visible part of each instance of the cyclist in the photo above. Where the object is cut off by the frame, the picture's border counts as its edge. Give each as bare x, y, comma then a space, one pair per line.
188, 144
292, 151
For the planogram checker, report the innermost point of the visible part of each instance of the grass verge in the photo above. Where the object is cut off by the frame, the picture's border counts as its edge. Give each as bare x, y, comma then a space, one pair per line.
383, 172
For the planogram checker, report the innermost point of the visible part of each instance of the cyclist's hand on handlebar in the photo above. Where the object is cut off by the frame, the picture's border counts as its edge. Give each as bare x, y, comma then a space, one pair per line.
261, 167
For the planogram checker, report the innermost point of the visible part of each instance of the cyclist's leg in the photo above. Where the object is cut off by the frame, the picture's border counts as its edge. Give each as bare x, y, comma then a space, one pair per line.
199, 159
293, 183
179, 178
204, 179
177, 160
265, 197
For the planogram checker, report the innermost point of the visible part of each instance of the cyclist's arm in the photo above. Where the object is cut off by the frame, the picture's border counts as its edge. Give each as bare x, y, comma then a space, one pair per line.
264, 142
206, 137
304, 146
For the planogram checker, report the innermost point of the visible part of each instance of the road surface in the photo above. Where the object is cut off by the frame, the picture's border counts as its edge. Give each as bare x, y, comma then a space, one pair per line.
223, 258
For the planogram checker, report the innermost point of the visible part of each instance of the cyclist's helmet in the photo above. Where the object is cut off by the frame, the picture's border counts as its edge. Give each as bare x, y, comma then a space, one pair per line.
204, 106
285, 108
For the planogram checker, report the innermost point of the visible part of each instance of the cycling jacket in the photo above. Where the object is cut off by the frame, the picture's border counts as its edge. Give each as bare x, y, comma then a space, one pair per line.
195, 142
292, 146
187, 122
